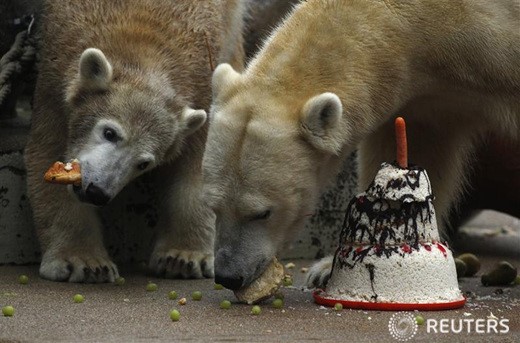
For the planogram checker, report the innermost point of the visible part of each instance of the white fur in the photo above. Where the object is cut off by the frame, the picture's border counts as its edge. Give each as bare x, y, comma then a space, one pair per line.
192, 120
321, 122
95, 71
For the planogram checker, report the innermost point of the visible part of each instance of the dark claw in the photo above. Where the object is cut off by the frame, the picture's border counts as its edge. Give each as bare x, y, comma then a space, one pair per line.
174, 262
98, 271
70, 268
160, 261
316, 281
168, 259
203, 266
181, 263
189, 267
86, 271
105, 271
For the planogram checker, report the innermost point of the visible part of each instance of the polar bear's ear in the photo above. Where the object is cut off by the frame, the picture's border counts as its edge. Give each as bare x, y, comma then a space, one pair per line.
192, 120
321, 122
223, 76
95, 72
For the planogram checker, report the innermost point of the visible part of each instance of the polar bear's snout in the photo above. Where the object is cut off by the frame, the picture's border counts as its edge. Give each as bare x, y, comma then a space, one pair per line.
235, 271
96, 195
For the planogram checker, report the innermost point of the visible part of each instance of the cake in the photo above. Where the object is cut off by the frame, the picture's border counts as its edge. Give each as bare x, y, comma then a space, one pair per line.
390, 255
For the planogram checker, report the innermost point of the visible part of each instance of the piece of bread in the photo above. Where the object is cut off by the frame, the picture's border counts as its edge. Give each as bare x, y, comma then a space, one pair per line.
64, 173
263, 287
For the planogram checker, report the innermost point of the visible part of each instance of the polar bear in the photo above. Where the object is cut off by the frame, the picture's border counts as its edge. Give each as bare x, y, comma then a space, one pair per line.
332, 77
123, 87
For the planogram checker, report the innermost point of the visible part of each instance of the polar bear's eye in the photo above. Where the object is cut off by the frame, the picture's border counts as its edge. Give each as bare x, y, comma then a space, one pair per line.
110, 135
262, 215
143, 165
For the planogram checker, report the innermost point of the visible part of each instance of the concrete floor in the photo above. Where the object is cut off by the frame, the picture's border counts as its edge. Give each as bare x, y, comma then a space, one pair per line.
45, 311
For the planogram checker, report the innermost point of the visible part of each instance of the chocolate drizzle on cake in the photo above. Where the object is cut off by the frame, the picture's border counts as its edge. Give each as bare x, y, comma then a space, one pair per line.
371, 271
384, 222
393, 216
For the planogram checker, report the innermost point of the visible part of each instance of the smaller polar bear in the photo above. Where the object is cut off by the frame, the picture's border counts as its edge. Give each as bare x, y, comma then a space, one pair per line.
331, 78
123, 86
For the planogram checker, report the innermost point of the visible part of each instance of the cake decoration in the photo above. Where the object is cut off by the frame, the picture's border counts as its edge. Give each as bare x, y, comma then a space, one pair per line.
390, 256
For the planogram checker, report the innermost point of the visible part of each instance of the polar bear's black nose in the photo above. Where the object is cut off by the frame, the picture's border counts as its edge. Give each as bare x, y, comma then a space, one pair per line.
96, 196
232, 283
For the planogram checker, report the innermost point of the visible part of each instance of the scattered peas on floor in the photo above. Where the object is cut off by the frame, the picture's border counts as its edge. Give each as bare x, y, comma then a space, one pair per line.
256, 310
8, 311
225, 304
78, 298
338, 307
218, 287
277, 303
287, 281
175, 315
517, 280
172, 295
23, 279
197, 295
151, 287
419, 320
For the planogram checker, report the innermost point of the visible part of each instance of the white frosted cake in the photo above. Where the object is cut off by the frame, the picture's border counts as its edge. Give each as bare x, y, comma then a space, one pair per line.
389, 250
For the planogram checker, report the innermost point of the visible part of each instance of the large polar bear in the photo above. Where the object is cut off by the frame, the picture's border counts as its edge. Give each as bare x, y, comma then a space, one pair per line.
333, 77
123, 86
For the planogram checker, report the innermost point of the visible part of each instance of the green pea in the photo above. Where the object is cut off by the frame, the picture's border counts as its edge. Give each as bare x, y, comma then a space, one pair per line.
338, 306
23, 279
78, 298
218, 287
517, 280
175, 315
278, 303
151, 287
419, 320
172, 295
225, 304
287, 281
197, 295
8, 311
120, 281
256, 310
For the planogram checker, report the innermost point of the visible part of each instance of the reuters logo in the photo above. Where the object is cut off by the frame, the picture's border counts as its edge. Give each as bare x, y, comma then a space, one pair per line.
402, 326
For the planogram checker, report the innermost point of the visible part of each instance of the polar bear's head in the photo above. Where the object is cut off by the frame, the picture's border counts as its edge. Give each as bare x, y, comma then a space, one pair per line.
122, 123
265, 160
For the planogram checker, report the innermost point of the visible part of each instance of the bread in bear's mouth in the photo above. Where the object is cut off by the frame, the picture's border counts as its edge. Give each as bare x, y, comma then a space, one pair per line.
64, 173
264, 286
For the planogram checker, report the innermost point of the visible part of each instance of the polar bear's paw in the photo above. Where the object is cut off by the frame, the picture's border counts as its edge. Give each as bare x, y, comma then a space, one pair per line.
319, 274
78, 268
184, 264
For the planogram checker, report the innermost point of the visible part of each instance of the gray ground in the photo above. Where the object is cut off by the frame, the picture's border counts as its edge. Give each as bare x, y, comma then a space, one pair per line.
45, 311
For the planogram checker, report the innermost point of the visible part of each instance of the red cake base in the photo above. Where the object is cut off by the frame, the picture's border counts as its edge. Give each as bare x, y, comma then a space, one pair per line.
384, 306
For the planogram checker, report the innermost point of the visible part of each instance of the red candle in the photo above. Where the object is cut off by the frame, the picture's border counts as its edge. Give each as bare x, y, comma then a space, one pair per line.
402, 148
